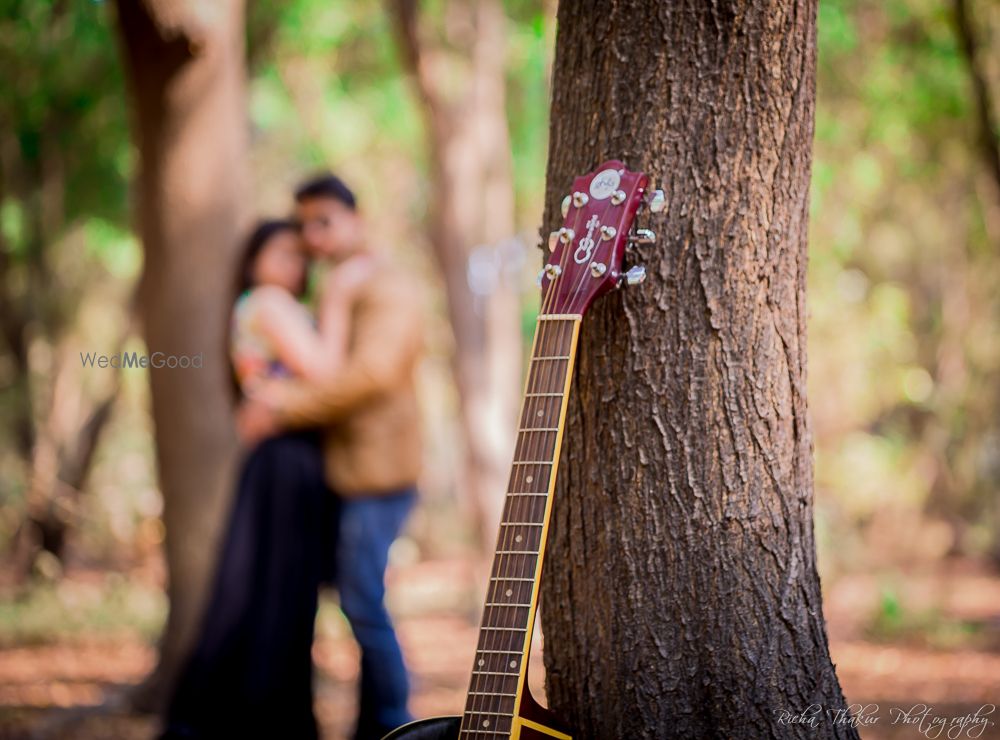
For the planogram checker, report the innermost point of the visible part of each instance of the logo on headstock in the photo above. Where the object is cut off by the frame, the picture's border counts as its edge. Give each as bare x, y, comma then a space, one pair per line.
585, 247
604, 184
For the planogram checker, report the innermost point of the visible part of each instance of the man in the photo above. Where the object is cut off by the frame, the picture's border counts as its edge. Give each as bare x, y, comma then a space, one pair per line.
372, 454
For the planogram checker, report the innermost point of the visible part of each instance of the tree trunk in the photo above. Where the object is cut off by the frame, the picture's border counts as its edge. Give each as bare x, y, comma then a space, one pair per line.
188, 83
681, 597
471, 230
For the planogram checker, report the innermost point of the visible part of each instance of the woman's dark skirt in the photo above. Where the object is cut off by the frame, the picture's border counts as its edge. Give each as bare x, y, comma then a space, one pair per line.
250, 674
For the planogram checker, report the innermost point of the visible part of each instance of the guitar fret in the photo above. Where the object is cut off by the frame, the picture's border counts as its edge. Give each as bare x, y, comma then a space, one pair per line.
522, 524
517, 552
543, 395
551, 357
488, 693
493, 714
539, 429
494, 673
499, 578
497, 603
525, 493
506, 629
500, 652
486, 732
532, 462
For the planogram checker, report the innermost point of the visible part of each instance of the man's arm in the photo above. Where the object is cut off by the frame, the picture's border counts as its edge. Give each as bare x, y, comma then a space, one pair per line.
387, 340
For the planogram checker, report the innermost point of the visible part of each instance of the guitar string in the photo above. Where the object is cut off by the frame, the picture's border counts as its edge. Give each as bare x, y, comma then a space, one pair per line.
537, 442
534, 445
513, 512
540, 379
484, 687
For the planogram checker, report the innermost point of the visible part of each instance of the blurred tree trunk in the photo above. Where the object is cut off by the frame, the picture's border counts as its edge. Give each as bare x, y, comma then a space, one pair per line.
989, 146
471, 230
188, 83
681, 597
989, 130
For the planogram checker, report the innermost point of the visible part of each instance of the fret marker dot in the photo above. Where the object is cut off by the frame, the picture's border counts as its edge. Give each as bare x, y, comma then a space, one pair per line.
529, 479
509, 592
518, 538
486, 723
541, 413
513, 664
481, 662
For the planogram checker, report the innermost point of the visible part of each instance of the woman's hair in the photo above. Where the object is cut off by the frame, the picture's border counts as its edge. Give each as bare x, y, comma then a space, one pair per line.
262, 233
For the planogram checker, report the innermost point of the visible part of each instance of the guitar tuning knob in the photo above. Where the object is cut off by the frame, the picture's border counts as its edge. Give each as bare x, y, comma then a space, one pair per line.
657, 201
643, 236
635, 275
565, 205
553, 240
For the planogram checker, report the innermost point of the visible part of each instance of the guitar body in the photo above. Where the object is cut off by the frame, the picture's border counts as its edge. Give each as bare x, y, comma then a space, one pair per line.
435, 728
532, 722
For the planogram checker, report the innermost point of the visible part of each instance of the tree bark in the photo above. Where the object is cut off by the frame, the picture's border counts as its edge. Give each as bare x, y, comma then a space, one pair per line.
680, 596
186, 69
472, 209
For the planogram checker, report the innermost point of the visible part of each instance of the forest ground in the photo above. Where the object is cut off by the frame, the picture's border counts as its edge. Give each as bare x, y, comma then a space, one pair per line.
924, 638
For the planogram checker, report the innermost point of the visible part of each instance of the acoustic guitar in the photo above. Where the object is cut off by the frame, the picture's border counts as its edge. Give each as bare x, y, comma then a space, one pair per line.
585, 261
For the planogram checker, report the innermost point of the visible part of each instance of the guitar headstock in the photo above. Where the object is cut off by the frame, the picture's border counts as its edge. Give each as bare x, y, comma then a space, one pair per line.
586, 253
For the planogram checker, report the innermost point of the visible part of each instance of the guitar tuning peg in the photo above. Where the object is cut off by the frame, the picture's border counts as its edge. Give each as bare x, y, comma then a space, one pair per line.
657, 201
553, 240
635, 275
642, 236
565, 205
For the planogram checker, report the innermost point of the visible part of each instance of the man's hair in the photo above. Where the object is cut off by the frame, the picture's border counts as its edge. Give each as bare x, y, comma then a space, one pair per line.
326, 185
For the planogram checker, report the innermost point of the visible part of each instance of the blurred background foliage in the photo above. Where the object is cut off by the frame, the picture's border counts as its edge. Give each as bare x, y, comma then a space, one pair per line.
904, 344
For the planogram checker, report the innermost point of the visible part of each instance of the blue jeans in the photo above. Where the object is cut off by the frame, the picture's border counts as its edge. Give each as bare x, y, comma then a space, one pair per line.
368, 527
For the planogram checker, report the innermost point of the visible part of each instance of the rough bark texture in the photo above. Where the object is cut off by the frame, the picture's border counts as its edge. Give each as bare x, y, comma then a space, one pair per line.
680, 596
472, 208
186, 68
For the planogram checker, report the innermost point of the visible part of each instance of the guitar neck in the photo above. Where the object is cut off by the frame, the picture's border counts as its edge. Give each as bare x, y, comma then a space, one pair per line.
499, 672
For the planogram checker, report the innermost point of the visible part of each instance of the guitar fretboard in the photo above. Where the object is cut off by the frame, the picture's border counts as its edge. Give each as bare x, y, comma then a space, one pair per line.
498, 672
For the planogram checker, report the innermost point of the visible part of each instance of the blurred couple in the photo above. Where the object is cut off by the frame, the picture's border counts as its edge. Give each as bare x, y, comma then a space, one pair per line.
329, 415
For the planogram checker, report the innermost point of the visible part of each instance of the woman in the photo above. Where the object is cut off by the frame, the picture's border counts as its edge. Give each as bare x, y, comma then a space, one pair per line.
250, 673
